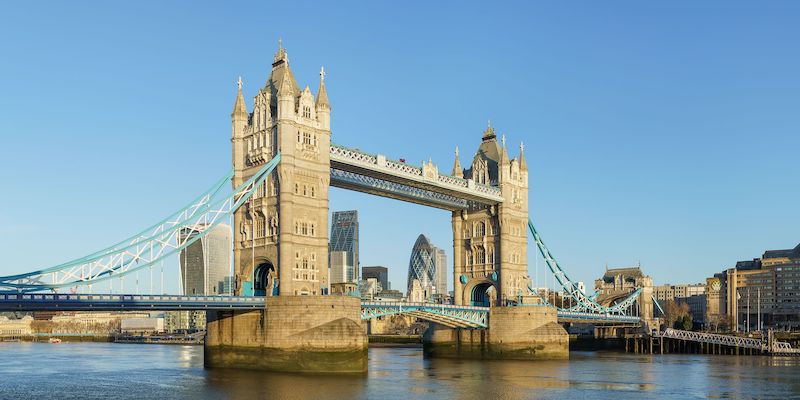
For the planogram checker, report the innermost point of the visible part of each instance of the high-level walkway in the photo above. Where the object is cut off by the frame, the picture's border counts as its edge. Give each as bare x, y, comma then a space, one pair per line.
354, 169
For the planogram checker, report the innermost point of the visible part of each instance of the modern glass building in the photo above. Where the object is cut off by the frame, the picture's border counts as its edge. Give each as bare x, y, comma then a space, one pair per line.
379, 273
344, 237
206, 264
422, 266
440, 262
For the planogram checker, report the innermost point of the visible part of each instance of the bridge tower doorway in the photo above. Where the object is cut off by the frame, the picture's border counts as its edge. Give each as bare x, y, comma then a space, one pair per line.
261, 281
483, 295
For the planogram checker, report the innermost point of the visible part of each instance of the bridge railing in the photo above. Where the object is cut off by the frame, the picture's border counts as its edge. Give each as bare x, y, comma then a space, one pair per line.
418, 305
60, 297
415, 172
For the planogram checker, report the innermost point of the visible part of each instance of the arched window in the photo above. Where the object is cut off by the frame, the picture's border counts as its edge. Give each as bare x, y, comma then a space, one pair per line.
481, 229
312, 192
305, 190
479, 257
298, 137
468, 258
296, 188
312, 229
305, 262
296, 228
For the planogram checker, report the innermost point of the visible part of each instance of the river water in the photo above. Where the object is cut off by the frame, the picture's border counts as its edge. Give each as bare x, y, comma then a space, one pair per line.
137, 371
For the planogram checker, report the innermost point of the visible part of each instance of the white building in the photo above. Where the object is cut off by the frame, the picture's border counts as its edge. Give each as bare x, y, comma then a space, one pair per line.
339, 267
206, 264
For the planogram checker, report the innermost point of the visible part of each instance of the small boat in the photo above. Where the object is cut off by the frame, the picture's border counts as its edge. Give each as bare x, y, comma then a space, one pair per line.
54, 340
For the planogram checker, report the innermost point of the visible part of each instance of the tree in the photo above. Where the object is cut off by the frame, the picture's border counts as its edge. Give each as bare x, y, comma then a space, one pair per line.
684, 322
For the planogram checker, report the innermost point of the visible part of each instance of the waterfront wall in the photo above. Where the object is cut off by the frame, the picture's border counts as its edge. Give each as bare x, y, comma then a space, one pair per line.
294, 333
521, 333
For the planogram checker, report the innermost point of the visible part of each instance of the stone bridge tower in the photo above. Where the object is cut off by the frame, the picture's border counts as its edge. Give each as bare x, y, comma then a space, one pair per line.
490, 242
281, 233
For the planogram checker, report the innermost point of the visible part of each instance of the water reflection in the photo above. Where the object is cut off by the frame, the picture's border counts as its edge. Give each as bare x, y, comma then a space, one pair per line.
105, 370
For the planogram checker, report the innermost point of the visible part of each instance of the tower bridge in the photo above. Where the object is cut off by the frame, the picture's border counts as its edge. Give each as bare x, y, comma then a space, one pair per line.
283, 166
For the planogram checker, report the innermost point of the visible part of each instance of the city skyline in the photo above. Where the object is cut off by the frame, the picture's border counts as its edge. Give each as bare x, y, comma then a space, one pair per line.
615, 179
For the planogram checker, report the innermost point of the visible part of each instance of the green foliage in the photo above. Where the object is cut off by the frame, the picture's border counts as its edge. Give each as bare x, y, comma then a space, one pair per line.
683, 322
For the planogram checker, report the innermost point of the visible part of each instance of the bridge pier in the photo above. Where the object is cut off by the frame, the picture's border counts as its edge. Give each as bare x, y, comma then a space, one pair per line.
518, 333
293, 333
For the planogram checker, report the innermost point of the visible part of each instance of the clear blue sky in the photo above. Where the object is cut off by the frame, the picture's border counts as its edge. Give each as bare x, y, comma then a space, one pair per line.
665, 134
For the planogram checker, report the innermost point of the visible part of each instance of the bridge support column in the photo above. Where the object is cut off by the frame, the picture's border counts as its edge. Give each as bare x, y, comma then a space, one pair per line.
518, 333
294, 333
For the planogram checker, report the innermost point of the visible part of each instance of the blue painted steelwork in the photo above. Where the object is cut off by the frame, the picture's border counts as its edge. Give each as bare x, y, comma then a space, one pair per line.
584, 303
597, 319
445, 314
368, 184
123, 302
658, 305
145, 249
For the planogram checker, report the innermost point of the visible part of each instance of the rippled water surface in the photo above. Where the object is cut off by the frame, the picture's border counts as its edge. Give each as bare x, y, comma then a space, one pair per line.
134, 371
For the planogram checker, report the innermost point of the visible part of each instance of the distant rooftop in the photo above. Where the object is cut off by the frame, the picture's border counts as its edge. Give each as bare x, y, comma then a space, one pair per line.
790, 253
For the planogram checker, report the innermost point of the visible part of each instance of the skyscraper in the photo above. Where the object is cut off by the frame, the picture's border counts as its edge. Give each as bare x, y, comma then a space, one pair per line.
422, 267
379, 273
344, 237
206, 263
440, 263
339, 267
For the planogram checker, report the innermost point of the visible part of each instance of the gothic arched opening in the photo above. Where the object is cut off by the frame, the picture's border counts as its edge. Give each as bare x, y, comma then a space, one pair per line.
483, 294
261, 278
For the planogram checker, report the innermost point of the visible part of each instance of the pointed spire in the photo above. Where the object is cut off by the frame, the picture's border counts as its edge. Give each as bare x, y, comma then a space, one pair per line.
523, 166
281, 54
457, 171
489, 134
285, 86
322, 94
504, 155
239, 108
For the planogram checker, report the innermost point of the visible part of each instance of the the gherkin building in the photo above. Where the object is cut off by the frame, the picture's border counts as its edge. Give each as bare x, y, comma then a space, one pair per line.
422, 265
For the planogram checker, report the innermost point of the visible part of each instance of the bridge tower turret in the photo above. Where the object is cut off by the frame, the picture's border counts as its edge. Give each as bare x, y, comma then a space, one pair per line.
281, 233
490, 242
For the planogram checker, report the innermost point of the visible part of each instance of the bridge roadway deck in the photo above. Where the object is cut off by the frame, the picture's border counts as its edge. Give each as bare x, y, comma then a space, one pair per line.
447, 314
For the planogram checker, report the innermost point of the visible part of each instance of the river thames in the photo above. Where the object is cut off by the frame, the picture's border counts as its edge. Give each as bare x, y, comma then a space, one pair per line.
135, 371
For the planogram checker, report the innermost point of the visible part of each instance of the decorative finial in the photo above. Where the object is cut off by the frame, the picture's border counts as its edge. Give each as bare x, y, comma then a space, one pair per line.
239, 83
521, 147
322, 74
489, 124
280, 43
504, 140
456, 151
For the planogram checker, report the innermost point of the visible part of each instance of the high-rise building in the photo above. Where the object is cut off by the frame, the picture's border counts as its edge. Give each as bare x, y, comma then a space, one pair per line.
379, 273
339, 267
206, 263
440, 263
344, 237
758, 293
422, 268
